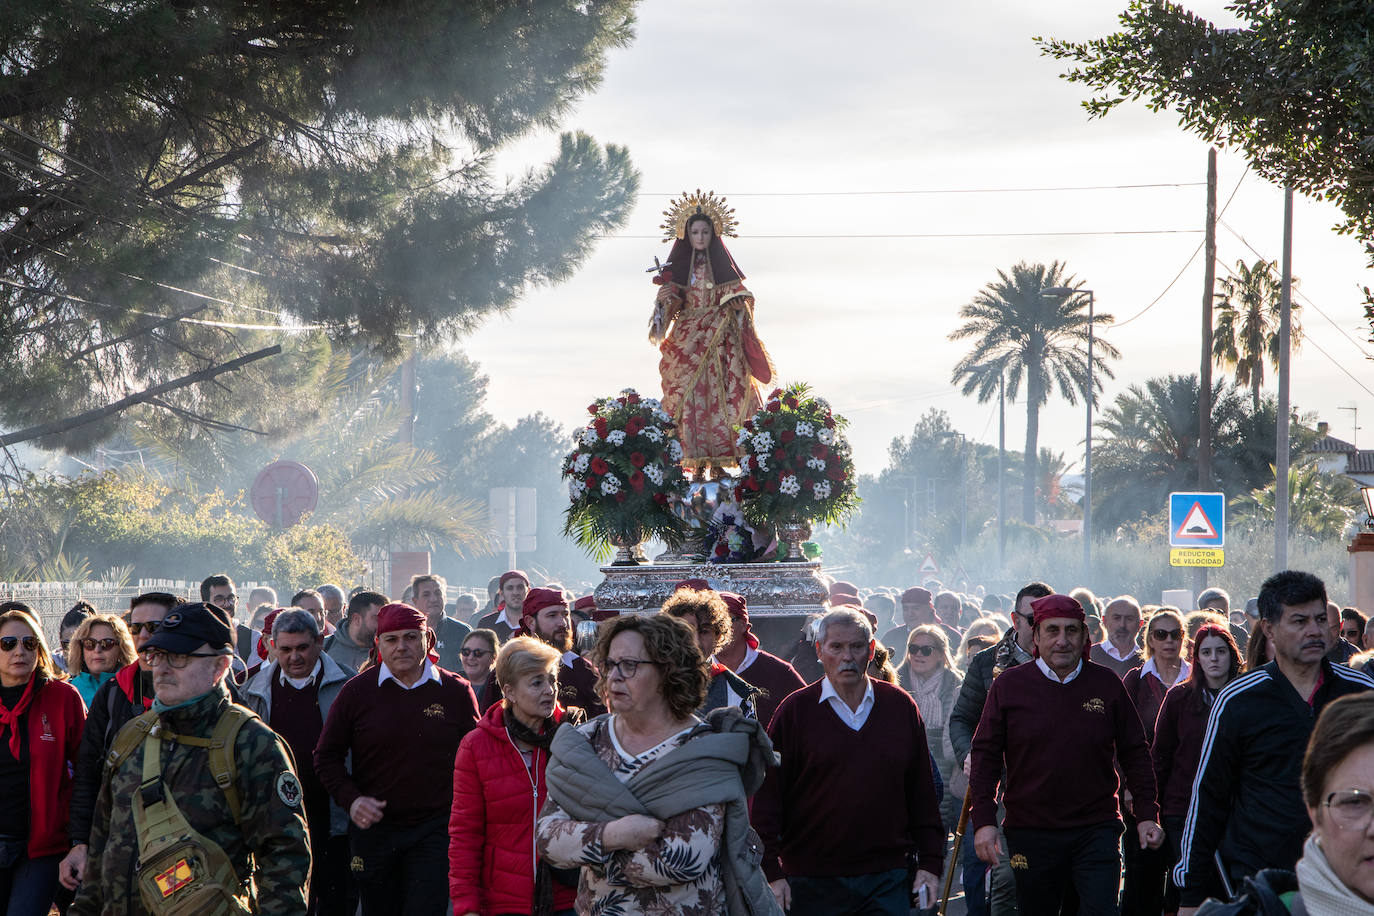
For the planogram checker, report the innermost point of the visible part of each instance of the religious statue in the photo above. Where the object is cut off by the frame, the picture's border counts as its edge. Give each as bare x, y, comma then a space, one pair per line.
713, 364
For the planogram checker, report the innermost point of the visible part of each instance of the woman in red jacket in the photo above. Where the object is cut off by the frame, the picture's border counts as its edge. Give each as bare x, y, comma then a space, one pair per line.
41, 717
1177, 746
498, 789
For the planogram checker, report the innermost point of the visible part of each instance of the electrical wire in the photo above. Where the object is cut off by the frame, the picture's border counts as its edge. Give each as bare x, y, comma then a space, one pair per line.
945, 235
886, 193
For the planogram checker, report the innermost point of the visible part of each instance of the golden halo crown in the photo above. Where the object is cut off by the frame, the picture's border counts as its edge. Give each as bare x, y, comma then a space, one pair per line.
681, 209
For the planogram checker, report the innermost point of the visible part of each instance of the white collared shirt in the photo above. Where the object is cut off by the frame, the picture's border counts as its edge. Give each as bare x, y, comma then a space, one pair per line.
1049, 672
750, 654
505, 618
1106, 646
854, 718
1151, 668
568, 658
430, 673
300, 683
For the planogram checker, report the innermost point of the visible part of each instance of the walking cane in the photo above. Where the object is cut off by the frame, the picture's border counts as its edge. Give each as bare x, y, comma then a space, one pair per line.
955, 853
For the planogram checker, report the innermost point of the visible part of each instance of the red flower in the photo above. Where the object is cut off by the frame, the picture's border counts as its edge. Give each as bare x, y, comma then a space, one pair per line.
621, 496
633, 426
790, 402
836, 473
661, 499
721, 549
787, 436
829, 422
591, 408
599, 466
620, 401
774, 406
632, 398
599, 424
637, 481
779, 454
752, 484
819, 451
771, 486
775, 393
590, 481
638, 459
749, 425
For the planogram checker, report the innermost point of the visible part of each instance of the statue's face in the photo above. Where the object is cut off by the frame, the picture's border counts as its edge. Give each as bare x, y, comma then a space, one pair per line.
699, 234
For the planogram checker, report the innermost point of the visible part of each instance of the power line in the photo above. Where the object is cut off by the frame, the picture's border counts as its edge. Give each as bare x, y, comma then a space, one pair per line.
1188, 263
915, 191
944, 235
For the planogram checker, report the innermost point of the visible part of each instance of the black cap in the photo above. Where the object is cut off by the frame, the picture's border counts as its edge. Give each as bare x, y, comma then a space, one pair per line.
187, 627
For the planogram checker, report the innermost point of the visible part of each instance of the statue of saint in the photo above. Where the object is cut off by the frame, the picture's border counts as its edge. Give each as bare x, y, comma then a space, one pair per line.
713, 366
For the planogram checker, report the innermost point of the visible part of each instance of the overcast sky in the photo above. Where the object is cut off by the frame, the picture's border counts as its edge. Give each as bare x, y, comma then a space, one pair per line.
788, 107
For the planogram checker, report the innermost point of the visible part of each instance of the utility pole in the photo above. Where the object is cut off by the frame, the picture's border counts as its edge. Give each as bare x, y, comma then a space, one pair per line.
1204, 401
1281, 437
1001, 482
407, 431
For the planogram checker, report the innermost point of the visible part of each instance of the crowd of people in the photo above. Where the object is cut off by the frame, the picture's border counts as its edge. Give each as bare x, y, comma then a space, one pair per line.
1052, 753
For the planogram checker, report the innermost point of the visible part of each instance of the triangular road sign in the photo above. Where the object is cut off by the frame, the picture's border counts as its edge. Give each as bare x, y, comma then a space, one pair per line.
1196, 525
928, 566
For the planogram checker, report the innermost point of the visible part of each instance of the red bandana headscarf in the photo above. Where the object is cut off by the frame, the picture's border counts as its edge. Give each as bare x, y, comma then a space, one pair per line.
1053, 607
739, 610
393, 617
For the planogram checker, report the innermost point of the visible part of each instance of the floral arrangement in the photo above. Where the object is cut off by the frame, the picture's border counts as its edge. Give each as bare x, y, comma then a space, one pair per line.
796, 462
730, 539
622, 475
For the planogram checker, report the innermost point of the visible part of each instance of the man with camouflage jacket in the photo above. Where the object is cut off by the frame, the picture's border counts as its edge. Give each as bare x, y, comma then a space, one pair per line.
267, 845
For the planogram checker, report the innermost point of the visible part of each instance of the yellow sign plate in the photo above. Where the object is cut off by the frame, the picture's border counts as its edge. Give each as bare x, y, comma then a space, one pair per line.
1197, 556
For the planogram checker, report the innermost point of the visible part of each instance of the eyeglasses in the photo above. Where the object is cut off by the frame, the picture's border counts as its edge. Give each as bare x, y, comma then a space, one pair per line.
914, 649
7, 643
473, 653
105, 645
152, 626
154, 657
1163, 635
626, 666
1351, 809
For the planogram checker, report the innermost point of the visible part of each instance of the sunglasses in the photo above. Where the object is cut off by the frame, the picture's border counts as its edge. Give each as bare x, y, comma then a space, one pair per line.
7, 643
1163, 635
473, 653
914, 649
152, 626
105, 645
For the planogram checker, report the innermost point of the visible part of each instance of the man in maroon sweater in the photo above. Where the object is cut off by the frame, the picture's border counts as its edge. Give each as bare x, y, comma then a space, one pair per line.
1057, 725
512, 588
545, 616
742, 655
402, 722
852, 808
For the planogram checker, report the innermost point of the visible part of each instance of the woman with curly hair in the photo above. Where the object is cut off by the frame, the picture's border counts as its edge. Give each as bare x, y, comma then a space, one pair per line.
97, 650
706, 613
649, 800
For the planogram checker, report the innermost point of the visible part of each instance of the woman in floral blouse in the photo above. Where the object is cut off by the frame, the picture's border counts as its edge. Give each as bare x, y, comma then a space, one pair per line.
654, 678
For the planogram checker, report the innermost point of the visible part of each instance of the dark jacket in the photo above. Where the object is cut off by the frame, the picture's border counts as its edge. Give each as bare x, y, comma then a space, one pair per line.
723, 680
1261, 895
1247, 799
968, 709
116, 702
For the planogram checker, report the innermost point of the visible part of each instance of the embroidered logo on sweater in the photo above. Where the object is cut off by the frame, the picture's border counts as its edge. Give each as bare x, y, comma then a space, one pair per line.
357, 864
1019, 862
435, 710
1094, 705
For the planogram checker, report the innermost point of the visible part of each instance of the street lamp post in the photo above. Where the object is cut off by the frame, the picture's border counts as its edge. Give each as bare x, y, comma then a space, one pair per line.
1059, 292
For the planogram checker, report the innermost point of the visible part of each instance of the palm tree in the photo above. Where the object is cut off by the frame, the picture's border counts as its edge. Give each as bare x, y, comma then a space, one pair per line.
1022, 334
1247, 332
1321, 505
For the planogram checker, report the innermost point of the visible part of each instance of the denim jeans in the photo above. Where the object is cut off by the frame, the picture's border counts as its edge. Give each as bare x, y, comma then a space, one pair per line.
27, 886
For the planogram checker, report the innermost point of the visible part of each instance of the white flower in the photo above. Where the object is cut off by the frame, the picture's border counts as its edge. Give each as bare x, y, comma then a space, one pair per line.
650, 403
826, 436
805, 429
816, 464
610, 485
789, 485
675, 450
616, 437
661, 415
742, 438
580, 464
763, 442
652, 433
576, 488
762, 462
626, 392
822, 489
590, 436
655, 473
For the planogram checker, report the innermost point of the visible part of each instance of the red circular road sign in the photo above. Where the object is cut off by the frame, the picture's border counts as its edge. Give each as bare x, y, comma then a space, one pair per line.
283, 492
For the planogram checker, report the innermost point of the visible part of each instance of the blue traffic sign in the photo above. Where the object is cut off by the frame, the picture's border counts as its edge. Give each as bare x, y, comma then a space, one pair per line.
1197, 519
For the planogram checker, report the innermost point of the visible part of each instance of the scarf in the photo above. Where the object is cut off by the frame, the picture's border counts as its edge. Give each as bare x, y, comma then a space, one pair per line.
1324, 894
545, 875
160, 707
1009, 654
926, 693
9, 718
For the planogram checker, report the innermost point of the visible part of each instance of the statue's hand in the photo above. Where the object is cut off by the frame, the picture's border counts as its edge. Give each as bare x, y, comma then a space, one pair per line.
663, 278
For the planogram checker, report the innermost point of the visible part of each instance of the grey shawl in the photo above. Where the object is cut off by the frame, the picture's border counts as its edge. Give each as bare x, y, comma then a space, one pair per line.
723, 766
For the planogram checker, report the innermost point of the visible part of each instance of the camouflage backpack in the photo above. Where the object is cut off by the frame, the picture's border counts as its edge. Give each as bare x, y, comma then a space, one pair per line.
180, 871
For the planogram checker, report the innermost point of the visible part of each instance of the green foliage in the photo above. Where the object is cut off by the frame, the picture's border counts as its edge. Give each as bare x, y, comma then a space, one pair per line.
1024, 336
1321, 506
797, 462
1248, 311
1291, 88
623, 474
292, 162
133, 519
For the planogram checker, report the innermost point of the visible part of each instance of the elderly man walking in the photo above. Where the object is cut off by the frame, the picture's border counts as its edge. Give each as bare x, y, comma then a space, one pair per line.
1119, 651
293, 694
1057, 725
402, 722
853, 806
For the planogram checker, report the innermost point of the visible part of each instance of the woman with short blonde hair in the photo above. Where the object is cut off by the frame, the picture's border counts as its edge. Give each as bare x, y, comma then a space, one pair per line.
99, 648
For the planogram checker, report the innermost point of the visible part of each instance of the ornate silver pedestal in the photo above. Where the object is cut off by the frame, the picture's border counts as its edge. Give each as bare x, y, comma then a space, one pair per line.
772, 589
